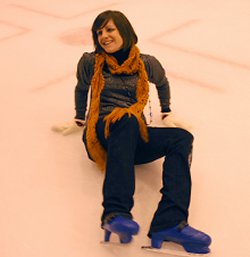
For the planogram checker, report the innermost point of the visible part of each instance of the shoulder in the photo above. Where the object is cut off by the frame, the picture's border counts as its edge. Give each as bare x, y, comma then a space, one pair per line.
151, 62
85, 67
147, 57
87, 58
153, 67
87, 63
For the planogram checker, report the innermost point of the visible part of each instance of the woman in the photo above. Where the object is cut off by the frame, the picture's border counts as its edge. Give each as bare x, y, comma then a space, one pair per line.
117, 137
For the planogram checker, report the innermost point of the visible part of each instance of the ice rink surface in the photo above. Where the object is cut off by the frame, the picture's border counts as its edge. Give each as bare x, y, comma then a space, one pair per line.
50, 193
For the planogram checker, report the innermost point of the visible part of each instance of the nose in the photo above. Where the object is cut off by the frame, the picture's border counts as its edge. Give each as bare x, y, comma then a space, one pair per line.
104, 35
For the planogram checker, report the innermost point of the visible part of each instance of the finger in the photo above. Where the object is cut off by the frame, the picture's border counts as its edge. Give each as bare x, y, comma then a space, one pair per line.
183, 125
57, 128
169, 124
67, 131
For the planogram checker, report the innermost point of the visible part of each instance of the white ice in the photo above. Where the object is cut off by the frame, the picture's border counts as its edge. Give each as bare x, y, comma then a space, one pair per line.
50, 193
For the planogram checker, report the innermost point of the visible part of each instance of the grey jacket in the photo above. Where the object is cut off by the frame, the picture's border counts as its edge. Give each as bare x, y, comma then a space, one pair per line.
119, 90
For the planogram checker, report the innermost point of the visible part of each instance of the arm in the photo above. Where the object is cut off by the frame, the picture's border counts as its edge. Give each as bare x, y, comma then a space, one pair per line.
85, 69
157, 76
84, 75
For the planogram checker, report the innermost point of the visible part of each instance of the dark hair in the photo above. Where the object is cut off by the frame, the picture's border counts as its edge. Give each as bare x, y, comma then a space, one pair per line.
121, 22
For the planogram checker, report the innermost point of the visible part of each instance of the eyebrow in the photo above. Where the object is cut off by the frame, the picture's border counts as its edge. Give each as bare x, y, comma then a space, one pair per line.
107, 26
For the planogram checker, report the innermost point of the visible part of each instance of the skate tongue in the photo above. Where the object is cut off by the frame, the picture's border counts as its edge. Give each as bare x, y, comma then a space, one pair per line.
182, 225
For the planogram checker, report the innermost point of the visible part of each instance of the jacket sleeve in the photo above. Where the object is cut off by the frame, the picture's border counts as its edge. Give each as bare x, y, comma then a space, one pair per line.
157, 76
85, 70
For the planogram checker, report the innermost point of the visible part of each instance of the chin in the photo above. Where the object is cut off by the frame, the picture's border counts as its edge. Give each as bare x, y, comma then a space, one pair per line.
110, 51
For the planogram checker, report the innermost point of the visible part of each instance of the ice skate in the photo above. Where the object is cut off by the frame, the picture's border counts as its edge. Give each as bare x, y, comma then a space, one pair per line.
193, 241
125, 229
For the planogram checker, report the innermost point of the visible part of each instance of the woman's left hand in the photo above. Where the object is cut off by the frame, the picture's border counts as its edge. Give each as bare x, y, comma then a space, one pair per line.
170, 121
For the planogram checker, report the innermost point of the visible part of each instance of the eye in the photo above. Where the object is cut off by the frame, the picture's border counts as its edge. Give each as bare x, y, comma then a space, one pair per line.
110, 29
99, 32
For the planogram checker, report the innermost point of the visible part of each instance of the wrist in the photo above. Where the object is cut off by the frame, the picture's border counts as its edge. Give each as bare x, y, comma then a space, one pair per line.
79, 123
165, 114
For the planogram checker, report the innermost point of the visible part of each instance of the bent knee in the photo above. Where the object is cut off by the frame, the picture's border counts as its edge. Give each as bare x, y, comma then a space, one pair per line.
127, 122
186, 135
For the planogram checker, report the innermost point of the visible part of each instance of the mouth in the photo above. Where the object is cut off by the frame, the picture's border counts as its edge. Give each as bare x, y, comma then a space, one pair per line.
106, 43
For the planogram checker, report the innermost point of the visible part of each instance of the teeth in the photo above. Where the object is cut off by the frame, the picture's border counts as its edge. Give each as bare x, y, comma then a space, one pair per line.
106, 43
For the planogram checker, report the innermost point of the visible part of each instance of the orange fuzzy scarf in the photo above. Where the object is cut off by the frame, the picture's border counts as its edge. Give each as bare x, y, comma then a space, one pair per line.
132, 65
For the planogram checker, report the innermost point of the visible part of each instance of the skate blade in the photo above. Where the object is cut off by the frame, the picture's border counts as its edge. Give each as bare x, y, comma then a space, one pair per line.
113, 243
172, 252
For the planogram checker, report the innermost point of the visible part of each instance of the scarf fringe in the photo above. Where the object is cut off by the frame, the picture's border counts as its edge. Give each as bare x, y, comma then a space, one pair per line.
132, 65
118, 113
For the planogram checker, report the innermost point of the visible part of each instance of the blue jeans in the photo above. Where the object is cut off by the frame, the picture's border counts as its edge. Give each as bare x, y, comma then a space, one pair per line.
125, 149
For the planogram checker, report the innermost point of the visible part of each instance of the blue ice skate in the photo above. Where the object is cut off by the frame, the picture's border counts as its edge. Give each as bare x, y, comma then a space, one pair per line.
192, 240
125, 228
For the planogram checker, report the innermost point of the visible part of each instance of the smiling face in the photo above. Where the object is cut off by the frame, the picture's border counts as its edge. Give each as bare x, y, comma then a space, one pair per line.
109, 38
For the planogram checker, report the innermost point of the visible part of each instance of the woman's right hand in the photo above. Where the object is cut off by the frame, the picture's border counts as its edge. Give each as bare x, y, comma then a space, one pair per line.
67, 128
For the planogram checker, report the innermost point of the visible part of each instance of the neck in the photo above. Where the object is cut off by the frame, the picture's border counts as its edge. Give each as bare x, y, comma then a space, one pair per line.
121, 55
